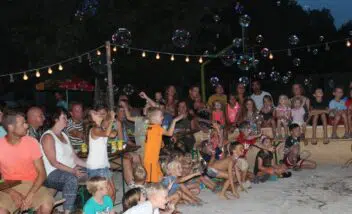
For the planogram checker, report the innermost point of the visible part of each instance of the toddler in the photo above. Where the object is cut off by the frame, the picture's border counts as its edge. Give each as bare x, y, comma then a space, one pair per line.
282, 113
319, 109
298, 113
267, 111
218, 114
100, 202
338, 111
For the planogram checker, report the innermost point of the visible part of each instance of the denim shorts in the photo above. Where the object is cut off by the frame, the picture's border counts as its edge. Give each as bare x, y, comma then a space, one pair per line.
102, 172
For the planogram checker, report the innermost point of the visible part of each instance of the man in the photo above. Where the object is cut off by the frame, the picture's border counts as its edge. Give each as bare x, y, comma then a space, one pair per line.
35, 118
218, 96
21, 159
75, 126
193, 93
258, 94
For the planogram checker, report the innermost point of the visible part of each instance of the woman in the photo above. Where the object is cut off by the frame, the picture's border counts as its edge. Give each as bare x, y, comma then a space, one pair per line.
298, 92
241, 93
62, 165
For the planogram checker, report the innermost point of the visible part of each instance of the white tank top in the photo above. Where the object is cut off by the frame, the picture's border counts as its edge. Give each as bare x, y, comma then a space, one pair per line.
64, 152
98, 153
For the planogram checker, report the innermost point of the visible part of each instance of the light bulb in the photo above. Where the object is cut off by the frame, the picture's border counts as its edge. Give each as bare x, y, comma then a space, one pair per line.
25, 77
50, 71
157, 56
98, 52
114, 49
200, 60
348, 43
172, 58
37, 73
271, 56
61, 68
143, 54
187, 59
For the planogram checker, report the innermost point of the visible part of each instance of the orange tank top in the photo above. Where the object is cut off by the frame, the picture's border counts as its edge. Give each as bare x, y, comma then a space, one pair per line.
153, 142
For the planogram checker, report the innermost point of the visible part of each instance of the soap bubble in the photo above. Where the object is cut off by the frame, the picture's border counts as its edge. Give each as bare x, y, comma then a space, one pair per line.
214, 81
122, 37
265, 52
278, 3
293, 40
289, 74
228, 58
315, 51
259, 39
237, 42
244, 63
181, 38
262, 75
331, 83
128, 89
321, 38
307, 81
275, 76
206, 53
255, 62
285, 79
216, 18
245, 20
296, 62
244, 80
238, 8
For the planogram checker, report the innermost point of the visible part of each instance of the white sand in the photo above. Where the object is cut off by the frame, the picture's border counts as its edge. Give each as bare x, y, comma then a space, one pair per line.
328, 189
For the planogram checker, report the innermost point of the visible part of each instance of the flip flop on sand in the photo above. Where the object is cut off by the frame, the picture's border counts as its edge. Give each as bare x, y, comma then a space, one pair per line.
314, 142
326, 141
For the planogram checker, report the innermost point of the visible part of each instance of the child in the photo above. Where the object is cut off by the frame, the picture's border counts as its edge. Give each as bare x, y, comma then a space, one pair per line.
319, 109
267, 111
282, 114
97, 161
232, 109
292, 157
159, 97
153, 143
338, 109
349, 110
224, 169
133, 197
265, 164
157, 199
100, 202
218, 114
298, 114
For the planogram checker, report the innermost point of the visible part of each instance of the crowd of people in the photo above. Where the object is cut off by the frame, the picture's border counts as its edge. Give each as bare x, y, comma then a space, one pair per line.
185, 145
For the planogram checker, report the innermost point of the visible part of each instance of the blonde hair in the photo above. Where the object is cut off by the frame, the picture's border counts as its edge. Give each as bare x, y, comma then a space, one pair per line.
152, 112
287, 103
294, 99
153, 188
139, 173
172, 165
96, 183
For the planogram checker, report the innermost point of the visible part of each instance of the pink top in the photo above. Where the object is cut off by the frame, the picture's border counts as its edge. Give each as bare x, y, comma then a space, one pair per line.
298, 115
283, 112
219, 117
232, 112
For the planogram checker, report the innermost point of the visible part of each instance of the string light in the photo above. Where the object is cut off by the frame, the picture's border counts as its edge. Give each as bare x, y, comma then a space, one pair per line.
37, 73
348, 43
143, 54
200, 60
50, 71
61, 68
25, 77
271, 56
187, 59
98, 52
12, 80
327, 47
114, 49
157, 56
172, 58
80, 59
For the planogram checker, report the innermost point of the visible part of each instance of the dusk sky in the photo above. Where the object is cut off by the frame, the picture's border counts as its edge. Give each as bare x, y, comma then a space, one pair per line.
340, 9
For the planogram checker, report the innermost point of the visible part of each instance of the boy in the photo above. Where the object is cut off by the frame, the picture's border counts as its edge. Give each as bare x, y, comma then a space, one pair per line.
292, 157
153, 143
319, 109
100, 202
225, 169
338, 109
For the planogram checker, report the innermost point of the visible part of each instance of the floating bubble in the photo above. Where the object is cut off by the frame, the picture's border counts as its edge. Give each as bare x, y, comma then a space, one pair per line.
218, 35
262, 75
122, 37
331, 83
293, 40
244, 80
228, 58
216, 18
237, 42
255, 62
245, 20
214, 81
296, 62
244, 63
206, 53
265, 52
285, 79
180, 38
307, 81
275, 76
289, 74
128, 89
238, 8
259, 39
315, 51
321, 38
278, 3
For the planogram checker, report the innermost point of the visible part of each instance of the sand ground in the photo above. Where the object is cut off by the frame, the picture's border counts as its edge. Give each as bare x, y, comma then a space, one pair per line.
328, 189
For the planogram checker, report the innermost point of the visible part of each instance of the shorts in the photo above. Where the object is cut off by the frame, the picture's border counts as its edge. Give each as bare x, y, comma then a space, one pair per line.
102, 172
212, 173
42, 196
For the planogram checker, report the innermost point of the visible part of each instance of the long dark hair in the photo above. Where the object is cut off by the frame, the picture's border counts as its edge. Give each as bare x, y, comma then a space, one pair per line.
56, 115
244, 110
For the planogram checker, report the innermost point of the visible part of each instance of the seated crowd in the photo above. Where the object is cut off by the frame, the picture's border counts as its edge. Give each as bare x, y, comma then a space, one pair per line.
181, 147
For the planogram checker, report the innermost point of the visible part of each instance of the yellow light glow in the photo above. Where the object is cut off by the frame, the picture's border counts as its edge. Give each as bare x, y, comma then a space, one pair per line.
187, 59
61, 68
271, 56
50, 71
157, 56
25, 77
200, 60
348, 43
98, 52
144, 54
114, 49
37, 73
172, 58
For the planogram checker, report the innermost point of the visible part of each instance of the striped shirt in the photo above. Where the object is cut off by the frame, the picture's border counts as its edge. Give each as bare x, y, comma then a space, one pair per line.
75, 141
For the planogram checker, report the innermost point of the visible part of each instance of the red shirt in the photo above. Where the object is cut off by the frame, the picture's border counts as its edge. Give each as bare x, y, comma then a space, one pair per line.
246, 143
348, 103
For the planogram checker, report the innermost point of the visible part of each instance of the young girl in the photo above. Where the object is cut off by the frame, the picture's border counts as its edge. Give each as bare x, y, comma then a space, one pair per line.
267, 111
282, 113
298, 114
218, 114
232, 109
97, 161
248, 113
100, 202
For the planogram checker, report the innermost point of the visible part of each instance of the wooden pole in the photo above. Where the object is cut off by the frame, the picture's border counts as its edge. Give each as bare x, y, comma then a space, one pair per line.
110, 91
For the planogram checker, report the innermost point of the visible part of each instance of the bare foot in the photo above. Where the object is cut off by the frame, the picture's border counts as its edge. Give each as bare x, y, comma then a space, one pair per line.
236, 195
223, 196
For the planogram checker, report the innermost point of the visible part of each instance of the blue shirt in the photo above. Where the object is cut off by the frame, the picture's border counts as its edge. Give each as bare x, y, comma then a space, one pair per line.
92, 207
167, 121
167, 181
2, 132
337, 105
62, 104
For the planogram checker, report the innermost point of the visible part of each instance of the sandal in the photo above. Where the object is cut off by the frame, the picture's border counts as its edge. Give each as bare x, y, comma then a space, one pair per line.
326, 141
334, 136
346, 136
314, 142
